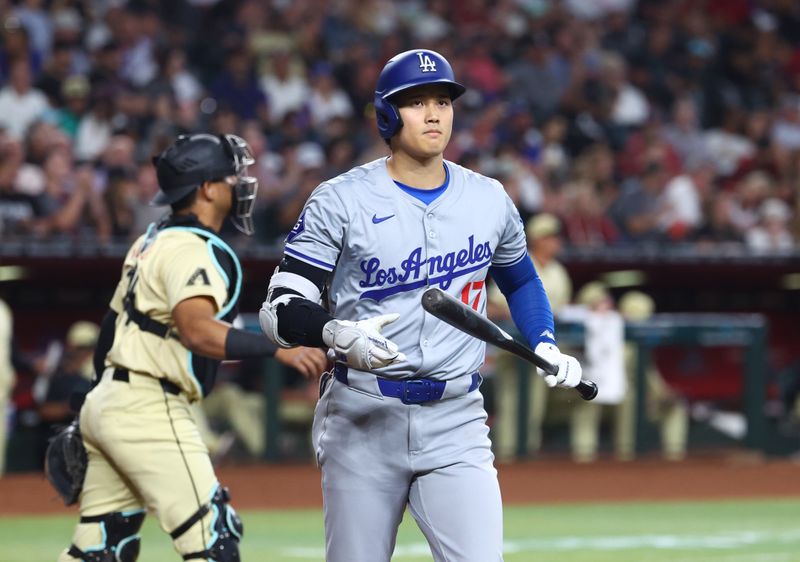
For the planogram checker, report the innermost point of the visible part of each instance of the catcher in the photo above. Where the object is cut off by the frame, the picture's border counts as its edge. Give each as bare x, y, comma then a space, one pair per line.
159, 347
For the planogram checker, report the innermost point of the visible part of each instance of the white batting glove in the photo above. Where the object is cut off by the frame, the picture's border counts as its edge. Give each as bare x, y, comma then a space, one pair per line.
361, 342
569, 370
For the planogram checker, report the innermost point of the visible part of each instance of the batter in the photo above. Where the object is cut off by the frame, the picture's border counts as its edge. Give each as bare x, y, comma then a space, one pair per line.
400, 421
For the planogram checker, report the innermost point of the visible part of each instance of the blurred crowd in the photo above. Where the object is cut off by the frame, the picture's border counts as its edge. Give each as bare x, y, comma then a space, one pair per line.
650, 121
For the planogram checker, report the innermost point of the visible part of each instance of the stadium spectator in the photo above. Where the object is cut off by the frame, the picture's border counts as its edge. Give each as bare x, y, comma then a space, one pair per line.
750, 192
68, 202
285, 86
18, 207
38, 24
237, 89
20, 103
684, 133
95, 127
75, 96
684, 196
629, 107
327, 101
772, 233
17, 47
638, 210
586, 224
534, 78
58, 67
718, 228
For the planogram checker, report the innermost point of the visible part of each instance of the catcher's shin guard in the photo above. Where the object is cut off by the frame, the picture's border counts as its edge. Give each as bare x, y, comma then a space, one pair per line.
121, 540
226, 530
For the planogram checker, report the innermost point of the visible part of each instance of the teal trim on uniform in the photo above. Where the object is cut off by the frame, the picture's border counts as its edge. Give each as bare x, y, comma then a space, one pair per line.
102, 545
231, 526
211, 241
132, 512
214, 240
125, 541
214, 535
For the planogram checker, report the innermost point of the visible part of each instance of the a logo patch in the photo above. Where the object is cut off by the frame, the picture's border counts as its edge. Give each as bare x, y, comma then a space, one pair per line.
198, 275
298, 227
378, 220
425, 63
548, 334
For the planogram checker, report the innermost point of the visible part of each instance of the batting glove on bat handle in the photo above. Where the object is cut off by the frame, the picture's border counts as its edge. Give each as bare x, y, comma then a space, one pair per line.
360, 344
563, 370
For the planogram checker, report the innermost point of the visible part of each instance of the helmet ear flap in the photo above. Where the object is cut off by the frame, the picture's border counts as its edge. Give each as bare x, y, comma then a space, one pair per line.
388, 118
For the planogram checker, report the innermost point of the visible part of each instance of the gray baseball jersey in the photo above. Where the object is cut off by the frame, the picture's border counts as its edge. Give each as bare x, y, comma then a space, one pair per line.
378, 454
385, 247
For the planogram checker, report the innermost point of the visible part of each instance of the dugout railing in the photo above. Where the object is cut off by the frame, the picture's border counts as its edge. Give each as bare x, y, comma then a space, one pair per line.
748, 331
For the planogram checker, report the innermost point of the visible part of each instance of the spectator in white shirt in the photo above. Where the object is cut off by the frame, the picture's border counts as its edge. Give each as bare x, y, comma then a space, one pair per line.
683, 198
286, 87
20, 103
772, 233
630, 107
328, 101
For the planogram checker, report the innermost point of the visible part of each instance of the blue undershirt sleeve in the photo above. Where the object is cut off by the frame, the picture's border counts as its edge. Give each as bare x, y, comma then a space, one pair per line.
530, 307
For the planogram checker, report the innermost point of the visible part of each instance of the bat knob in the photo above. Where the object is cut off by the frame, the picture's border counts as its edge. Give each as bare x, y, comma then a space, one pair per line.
587, 390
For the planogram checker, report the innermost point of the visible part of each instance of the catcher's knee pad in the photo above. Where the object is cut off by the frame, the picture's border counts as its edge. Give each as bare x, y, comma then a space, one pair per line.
120, 538
226, 529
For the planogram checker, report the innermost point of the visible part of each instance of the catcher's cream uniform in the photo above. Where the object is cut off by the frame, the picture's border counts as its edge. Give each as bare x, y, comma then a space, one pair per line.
143, 446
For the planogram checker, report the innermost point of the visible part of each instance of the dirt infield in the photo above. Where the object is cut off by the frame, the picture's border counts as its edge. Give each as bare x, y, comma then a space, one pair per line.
548, 481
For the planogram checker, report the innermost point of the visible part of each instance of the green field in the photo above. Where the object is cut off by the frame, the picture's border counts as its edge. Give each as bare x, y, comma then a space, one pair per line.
723, 531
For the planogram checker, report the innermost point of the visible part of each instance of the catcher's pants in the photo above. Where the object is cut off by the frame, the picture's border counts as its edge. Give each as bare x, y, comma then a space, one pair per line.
144, 451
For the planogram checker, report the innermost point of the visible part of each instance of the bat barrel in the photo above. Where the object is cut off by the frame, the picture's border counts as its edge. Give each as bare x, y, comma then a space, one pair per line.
459, 315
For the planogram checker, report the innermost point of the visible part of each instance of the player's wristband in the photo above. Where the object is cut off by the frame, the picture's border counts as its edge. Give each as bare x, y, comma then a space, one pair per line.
241, 344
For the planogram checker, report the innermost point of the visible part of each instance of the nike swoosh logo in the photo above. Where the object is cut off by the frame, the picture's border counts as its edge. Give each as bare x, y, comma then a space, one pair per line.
376, 220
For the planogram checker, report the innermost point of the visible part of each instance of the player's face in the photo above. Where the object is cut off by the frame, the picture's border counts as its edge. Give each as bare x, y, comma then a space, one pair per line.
223, 196
427, 114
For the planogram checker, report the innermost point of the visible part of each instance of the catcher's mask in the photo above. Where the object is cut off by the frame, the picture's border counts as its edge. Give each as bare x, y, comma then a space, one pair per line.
194, 159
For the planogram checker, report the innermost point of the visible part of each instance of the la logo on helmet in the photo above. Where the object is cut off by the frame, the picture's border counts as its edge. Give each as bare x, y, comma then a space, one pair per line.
425, 63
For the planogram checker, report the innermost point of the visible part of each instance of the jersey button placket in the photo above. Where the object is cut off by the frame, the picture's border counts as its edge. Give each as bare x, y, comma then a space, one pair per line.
431, 249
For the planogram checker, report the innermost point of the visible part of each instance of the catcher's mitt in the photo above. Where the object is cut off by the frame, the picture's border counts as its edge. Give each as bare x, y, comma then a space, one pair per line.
65, 463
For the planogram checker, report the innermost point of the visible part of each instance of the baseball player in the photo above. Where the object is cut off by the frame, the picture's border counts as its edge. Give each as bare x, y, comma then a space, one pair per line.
400, 422
158, 350
7, 377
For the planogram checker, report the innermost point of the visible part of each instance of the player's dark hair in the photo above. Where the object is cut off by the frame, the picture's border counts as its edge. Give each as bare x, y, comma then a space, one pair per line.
185, 202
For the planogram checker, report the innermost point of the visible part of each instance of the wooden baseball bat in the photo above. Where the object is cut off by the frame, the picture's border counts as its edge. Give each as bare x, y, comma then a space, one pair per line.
461, 316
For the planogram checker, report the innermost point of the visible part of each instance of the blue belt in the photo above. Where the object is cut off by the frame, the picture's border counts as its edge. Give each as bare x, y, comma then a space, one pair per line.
409, 391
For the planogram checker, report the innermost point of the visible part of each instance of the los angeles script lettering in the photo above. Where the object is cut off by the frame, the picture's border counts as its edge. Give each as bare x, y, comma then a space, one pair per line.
411, 268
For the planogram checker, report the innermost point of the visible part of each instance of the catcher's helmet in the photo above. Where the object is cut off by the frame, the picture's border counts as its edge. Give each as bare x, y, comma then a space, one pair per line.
194, 159
407, 70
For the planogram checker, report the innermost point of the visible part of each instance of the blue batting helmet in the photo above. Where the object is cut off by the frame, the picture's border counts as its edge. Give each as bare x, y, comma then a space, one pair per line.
407, 70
